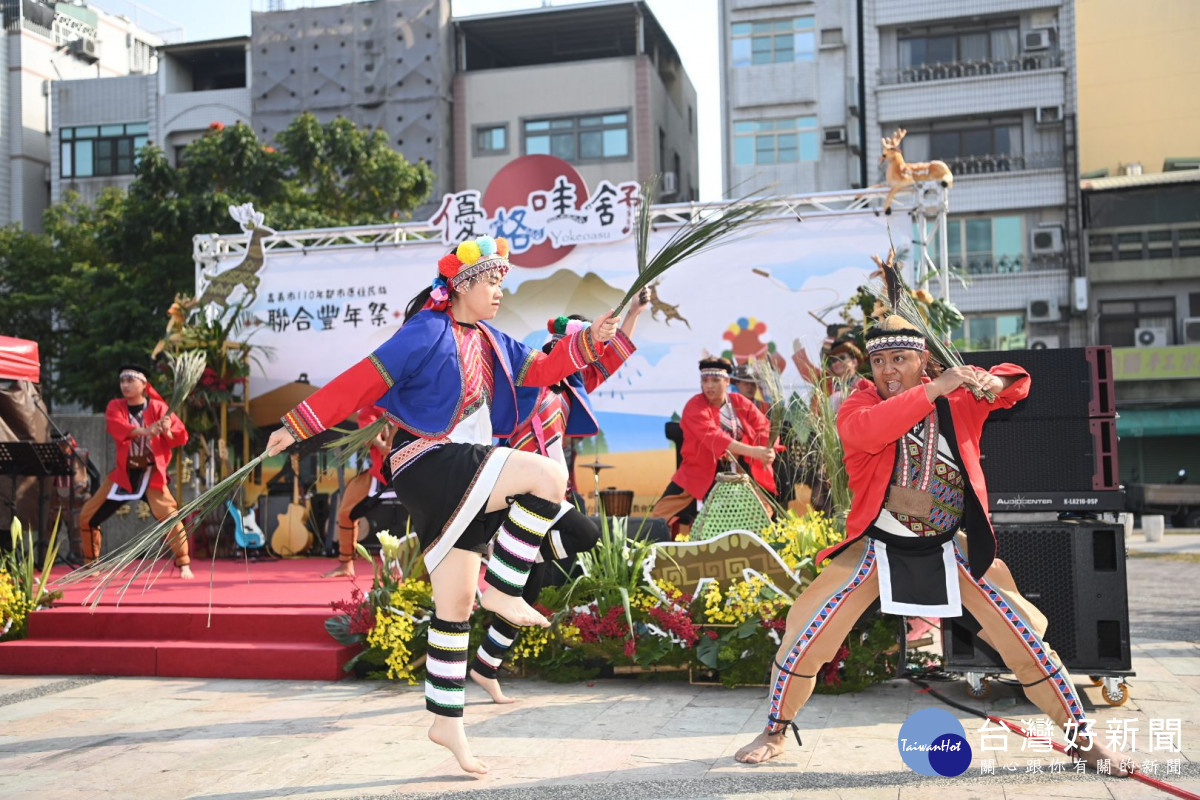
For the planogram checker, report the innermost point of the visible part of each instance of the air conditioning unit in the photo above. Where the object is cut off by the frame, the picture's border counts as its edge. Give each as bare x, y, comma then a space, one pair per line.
84, 46
1048, 115
1150, 337
1036, 39
670, 183
1046, 239
1043, 343
1189, 330
1043, 311
835, 136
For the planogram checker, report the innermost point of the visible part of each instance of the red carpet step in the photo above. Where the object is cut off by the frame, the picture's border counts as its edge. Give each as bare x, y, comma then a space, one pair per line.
262, 620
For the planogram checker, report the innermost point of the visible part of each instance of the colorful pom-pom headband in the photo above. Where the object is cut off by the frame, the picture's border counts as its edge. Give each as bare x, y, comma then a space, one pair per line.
472, 259
895, 341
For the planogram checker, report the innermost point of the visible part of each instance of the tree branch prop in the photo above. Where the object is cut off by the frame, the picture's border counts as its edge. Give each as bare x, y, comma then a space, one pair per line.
709, 228
187, 368
137, 556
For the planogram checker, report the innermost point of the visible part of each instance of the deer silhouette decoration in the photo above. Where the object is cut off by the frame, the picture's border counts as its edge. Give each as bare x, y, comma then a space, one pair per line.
901, 175
668, 311
221, 284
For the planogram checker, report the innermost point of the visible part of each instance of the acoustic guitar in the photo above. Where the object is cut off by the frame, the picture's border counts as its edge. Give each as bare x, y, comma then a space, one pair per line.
292, 536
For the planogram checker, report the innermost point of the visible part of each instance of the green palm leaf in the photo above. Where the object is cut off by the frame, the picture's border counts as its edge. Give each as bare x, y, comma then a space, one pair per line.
709, 226
343, 448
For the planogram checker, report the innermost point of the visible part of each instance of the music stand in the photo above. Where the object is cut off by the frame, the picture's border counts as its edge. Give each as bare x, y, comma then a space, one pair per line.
36, 460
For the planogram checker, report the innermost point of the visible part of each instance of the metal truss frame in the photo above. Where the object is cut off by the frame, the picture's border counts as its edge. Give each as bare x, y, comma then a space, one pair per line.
927, 206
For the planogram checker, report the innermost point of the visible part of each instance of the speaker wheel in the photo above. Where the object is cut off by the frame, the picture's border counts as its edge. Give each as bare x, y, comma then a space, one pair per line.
1096, 681
983, 692
1116, 697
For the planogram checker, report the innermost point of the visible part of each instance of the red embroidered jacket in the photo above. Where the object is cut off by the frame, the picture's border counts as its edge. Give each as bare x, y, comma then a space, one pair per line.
116, 416
870, 426
704, 442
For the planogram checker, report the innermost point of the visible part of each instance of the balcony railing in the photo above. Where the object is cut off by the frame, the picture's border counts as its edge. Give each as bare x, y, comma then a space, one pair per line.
922, 73
1136, 244
1002, 162
991, 264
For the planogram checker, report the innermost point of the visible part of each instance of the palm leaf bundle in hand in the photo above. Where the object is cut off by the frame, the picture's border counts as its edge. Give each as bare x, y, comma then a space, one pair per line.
138, 556
709, 227
343, 448
186, 369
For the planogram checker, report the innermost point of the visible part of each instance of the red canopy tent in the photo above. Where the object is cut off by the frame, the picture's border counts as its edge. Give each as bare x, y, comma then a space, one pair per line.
19, 360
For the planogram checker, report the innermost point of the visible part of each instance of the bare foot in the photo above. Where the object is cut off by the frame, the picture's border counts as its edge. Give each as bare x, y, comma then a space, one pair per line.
449, 733
513, 609
1099, 752
185, 573
343, 570
764, 747
492, 687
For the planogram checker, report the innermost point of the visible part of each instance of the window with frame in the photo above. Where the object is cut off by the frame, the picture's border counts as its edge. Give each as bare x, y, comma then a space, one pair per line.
1120, 319
945, 46
982, 146
991, 332
984, 245
101, 150
779, 41
491, 140
590, 137
776, 141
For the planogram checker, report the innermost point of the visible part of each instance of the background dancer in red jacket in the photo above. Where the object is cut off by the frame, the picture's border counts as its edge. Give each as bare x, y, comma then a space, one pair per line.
717, 425
918, 536
358, 489
145, 433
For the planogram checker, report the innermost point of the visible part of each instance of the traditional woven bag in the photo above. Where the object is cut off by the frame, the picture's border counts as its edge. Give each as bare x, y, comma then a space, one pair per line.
731, 504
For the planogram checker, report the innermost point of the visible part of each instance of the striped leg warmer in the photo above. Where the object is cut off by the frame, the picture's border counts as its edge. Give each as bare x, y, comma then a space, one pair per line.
518, 542
446, 667
499, 640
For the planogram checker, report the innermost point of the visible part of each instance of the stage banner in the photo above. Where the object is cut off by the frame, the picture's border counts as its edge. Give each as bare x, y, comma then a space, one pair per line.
319, 311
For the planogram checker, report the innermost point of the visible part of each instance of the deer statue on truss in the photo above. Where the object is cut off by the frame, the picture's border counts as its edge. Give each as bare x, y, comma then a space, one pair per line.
221, 284
901, 175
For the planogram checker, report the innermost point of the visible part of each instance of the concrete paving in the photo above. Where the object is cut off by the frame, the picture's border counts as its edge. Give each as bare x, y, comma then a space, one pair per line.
147, 738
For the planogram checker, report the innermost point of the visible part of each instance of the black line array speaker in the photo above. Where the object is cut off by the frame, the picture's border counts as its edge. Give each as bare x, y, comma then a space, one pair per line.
1074, 572
1063, 436
1040, 455
1067, 383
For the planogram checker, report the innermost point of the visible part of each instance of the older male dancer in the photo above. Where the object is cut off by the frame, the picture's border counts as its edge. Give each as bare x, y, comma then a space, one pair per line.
918, 536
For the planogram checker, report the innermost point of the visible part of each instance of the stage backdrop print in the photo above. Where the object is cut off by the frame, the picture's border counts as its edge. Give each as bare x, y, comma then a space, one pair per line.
319, 311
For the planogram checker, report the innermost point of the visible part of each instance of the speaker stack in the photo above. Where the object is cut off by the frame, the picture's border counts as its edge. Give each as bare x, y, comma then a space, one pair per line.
1056, 450
1074, 573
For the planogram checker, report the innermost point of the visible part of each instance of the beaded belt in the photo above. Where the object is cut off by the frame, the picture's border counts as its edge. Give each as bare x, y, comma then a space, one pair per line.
404, 456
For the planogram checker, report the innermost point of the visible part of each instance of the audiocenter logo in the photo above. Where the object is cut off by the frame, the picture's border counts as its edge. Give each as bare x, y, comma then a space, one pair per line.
932, 742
